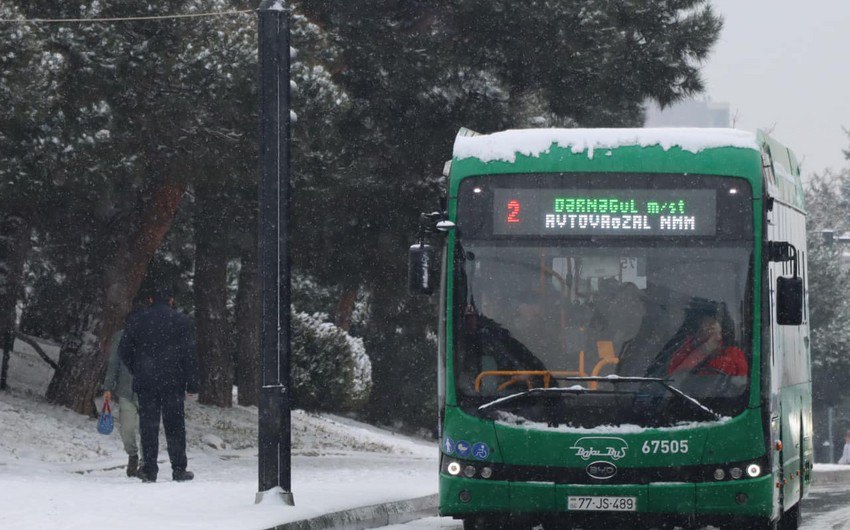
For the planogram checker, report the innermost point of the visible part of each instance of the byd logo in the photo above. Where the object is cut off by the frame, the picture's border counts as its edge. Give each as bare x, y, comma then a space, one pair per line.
600, 447
601, 470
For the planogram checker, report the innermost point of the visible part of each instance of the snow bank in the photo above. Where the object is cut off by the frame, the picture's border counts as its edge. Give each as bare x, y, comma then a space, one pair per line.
504, 146
832, 467
56, 471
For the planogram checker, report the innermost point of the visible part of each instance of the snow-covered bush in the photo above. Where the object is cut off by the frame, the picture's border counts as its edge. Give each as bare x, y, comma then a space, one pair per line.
330, 368
310, 296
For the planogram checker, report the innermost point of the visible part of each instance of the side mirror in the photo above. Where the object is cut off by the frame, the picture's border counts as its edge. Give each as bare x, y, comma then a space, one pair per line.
789, 291
422, 276
789, 301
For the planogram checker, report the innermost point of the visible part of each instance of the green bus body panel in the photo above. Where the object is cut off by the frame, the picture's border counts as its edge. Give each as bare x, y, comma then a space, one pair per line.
737, 439
734, 439
630, 159
730, 440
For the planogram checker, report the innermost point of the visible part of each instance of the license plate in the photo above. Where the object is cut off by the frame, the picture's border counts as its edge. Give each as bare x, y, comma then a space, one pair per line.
590, 503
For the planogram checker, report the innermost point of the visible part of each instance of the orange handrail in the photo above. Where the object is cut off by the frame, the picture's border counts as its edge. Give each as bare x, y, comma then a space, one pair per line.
519, 375
514, 374
598, 368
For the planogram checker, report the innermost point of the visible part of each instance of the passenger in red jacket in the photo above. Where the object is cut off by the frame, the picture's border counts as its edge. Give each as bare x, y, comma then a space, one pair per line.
706, 352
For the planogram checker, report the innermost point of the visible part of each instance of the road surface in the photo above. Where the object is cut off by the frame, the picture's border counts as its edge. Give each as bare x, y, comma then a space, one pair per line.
826, 508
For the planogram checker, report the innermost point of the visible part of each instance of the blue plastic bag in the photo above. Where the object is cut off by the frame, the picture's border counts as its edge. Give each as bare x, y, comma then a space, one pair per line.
105, 422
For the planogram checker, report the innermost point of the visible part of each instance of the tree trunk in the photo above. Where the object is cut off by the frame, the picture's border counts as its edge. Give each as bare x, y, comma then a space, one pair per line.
248, 329
345, 308
82, 358
14, 246
210, 286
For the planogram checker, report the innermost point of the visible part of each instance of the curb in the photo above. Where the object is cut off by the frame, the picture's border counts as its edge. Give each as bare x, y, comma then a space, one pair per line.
822, 477
377, 515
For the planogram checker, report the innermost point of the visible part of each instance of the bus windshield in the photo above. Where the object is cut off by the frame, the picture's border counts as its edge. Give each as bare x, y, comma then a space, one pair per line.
589, 317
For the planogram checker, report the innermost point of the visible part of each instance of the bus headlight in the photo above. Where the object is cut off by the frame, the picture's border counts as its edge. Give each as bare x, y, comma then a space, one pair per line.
753, 470
469, 471
486, 472
736, 473
719, 474
453, 469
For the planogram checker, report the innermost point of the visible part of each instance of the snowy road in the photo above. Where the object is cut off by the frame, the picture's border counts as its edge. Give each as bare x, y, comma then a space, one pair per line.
826, 508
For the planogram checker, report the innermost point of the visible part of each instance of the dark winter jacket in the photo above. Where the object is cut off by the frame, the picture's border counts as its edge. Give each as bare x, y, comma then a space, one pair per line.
158, 347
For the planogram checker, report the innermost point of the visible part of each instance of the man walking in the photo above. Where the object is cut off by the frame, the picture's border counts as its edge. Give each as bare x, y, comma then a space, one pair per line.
158, 347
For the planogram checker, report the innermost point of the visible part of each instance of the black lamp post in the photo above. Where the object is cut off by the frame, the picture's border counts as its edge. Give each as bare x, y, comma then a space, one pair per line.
275, 443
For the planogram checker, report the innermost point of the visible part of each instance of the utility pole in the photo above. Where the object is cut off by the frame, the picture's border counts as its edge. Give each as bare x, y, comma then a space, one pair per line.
830, 418
275, 440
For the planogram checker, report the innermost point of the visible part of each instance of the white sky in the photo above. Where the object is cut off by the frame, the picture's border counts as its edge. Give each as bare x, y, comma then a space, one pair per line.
785, 64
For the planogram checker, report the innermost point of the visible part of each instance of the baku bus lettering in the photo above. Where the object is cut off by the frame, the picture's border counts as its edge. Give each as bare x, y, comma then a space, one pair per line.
655, 367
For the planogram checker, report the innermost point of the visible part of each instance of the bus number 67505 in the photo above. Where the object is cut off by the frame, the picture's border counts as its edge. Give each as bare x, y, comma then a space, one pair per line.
665, 446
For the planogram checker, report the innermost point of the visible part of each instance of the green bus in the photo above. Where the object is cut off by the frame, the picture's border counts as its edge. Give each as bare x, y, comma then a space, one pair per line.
623, 329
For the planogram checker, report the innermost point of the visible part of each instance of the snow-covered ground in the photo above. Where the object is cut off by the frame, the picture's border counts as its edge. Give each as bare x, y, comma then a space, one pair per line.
56, 471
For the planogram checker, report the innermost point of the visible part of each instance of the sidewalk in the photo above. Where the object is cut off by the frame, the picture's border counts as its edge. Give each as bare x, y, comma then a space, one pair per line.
329, 490
826, 474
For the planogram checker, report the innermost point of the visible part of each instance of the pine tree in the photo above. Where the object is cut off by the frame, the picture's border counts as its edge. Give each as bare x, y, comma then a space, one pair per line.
414, 73
143, 111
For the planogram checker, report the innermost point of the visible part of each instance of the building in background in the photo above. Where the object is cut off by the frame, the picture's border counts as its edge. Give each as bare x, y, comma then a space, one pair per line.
689, 113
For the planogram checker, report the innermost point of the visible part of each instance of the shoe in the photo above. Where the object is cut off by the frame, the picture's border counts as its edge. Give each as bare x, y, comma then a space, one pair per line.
142, 474
133, 465
181, 475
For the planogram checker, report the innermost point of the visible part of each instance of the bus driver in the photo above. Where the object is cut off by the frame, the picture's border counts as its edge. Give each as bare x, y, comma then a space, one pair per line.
705, 352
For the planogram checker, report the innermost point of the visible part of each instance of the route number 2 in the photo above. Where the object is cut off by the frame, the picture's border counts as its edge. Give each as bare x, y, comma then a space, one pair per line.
665, 447
513, 211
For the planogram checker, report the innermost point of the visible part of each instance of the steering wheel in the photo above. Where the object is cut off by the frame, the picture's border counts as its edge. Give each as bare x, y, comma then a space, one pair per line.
719, 383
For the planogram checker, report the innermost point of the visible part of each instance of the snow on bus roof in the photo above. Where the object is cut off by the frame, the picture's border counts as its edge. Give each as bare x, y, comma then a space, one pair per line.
504, 146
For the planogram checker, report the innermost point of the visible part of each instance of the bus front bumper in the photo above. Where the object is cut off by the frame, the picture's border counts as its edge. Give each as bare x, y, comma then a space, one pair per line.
461, 497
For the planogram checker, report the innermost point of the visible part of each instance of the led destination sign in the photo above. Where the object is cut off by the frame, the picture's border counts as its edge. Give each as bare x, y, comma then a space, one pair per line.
640, 212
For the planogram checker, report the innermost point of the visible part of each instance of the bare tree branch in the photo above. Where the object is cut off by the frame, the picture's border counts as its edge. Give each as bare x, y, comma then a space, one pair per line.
31, 341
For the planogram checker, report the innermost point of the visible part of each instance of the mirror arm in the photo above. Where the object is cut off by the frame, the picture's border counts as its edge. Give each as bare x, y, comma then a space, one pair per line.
433, 223
782, 251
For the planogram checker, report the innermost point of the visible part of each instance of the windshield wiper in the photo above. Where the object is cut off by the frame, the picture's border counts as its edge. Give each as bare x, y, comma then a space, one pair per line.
685, 398
689, 399
577, 389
